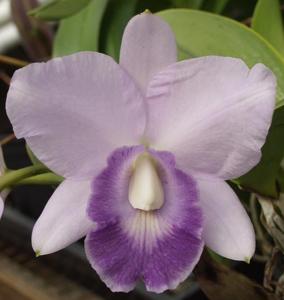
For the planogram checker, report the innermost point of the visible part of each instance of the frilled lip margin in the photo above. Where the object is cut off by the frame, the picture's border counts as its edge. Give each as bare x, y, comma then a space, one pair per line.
159, 247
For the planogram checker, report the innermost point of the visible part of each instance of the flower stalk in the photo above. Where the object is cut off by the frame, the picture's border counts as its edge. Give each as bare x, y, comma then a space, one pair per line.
12, 177
41, 179
12, 61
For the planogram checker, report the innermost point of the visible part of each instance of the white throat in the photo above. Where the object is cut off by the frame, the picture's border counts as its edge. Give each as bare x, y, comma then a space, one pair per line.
145, 188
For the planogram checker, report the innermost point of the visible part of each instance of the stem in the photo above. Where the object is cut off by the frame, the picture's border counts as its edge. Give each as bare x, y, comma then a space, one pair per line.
7, 139
5, 78
41, 179
12, 61
11, 177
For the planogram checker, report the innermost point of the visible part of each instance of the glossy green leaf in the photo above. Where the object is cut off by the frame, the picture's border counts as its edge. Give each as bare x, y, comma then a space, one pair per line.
267, 21
199, 34
58, 9
117, 15
219, 6
216, 6
194, 4
80, 32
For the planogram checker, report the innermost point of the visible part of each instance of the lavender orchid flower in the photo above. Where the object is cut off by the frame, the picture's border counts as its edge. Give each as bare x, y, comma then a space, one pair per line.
145, 146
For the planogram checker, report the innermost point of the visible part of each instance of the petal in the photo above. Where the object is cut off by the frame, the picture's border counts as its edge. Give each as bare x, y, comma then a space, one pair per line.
160, 247
73, 111
213, 113
1, 206
148, 45
227, 230
64, 219
4, 194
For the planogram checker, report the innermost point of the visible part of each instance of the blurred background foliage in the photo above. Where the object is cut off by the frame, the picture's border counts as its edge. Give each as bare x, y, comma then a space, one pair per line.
248, 29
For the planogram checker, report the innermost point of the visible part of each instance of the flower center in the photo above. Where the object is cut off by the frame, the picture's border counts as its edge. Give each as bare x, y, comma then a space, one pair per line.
145, 187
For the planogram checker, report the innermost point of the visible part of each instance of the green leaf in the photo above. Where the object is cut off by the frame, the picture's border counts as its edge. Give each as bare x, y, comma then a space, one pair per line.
280, 178
116, 17
58, 9
200, 33
216, 6
267, 21
219, 6
80, 32
194, 4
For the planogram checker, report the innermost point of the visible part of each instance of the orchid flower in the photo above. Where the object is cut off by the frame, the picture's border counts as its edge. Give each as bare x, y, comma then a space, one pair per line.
145, 146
